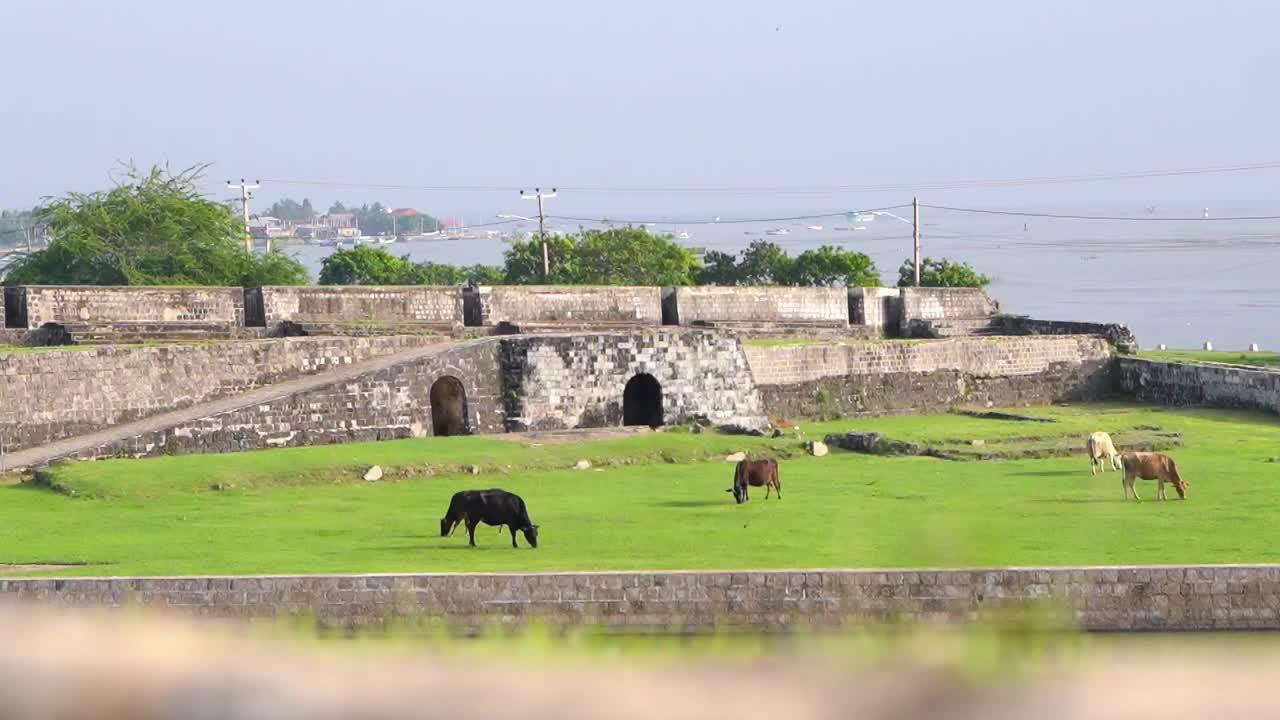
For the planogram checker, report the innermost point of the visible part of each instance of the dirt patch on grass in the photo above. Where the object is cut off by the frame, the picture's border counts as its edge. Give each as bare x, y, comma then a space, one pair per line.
560, 437
8, 568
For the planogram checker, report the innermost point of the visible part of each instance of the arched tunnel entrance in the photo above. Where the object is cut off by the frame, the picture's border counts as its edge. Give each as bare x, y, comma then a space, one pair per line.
642, 401
448, 407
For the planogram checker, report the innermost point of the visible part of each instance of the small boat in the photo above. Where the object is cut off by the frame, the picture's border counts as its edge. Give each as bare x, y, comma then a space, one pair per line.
864, 217
860, 227
814, 227
777, 231
682, 235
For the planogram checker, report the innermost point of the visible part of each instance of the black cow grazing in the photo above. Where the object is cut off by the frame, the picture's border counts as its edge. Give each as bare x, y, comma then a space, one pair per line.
492, 507
757, 473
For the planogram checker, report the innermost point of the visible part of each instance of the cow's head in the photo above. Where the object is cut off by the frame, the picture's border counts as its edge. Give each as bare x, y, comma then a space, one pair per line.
531, 534
1181, 487
1116, 463
446, 524
739, 493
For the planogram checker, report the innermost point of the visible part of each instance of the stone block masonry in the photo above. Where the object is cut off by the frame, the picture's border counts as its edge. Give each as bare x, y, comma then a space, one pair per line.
1182, 384
389, 402
213, 308
553, 382
725, 306
797, 381
529, 306
1225, 597
438, 307
56, 394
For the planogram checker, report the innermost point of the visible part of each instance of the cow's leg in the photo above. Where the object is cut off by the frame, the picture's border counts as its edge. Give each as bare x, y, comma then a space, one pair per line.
1160, 489
512, 528
471, 531
777, 485
768, 488
1133, 485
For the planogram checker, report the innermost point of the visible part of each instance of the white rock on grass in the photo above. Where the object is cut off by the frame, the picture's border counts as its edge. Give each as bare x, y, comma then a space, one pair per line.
818, 448
582, 465
736, 457
373, 474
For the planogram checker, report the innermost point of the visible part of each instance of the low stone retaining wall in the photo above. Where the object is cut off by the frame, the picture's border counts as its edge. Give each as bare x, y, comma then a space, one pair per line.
797, 381
331, 307
728, 305
1182, 384
1097, 598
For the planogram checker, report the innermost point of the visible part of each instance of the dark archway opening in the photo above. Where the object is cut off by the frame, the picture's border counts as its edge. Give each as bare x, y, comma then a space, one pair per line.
448, 407
642, 401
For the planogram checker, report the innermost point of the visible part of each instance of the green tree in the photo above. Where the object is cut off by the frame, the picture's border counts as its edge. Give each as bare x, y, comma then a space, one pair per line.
764, 263
632, 256
719, 268
941, 272
364, 265
522, 263
830, 265
154, 228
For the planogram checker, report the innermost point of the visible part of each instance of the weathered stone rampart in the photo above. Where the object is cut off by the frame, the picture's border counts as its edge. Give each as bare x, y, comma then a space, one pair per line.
534, 306
436, 307
729, 305
1098, 598
574, 381
216, 309
1184, 384
54, 394
915, 376
386, 403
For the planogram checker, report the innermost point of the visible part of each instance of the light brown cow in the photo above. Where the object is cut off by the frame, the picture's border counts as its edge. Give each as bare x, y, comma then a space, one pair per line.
1100, 447
1151, 466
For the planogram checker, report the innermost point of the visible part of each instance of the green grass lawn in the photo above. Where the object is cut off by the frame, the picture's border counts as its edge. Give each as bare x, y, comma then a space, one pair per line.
1260, 359
661, 504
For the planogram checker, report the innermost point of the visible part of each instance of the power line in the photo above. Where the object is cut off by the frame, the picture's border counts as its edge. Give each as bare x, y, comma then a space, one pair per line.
820, 189
717, 221
1121, 218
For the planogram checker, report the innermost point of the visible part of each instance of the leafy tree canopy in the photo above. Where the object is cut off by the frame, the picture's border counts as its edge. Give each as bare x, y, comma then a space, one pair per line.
941, 272
153, 228
365, 265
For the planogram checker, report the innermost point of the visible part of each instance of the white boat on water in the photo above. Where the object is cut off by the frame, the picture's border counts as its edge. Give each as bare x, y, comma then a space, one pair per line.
864, 217
814, 227
777, 231
682, 235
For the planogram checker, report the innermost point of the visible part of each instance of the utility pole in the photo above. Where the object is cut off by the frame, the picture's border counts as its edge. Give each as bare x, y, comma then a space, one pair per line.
542, 226
244, 188
915, 234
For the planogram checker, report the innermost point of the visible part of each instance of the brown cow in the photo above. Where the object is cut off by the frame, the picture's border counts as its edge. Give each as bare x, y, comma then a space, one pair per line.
757, 473
1151, 466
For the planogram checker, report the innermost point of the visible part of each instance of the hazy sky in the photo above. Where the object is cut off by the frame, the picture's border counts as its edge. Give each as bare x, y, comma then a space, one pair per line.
660, 93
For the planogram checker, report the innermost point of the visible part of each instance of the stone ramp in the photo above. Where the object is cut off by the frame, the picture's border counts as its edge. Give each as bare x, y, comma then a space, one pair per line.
72, 447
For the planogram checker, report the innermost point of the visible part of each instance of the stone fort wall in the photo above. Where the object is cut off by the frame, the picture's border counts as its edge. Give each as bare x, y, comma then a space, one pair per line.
758, 305
55, 394
102, 314
911, 376
1182, 384
580, 305
569, 381
386, 403
1096, 598
211, 307
403, 305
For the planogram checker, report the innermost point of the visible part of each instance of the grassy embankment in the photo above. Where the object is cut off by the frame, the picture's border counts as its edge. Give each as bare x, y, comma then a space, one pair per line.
1261, 359
657, 500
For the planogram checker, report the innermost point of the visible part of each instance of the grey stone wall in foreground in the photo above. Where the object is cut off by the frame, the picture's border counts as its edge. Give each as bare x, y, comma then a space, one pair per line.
1099, 598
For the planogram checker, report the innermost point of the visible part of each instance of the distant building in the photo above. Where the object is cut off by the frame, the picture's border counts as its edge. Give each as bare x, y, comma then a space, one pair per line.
339, 221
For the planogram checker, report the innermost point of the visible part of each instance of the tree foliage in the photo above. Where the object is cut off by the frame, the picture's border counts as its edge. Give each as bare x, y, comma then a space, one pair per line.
617, 256
153, 228
365, 265
766, 263
941, 272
